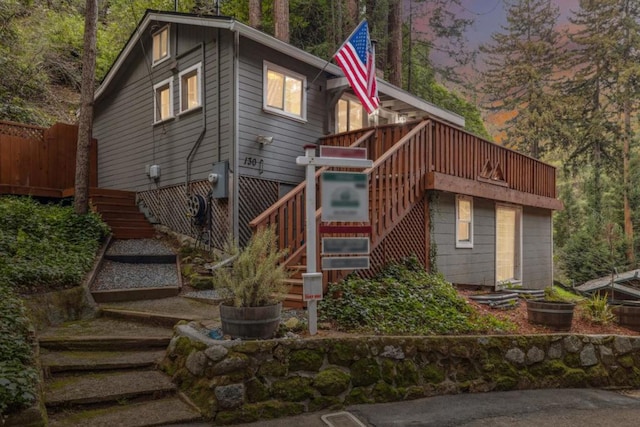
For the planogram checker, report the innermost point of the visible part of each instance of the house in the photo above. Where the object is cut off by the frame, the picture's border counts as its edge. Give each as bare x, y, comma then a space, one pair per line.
203, 117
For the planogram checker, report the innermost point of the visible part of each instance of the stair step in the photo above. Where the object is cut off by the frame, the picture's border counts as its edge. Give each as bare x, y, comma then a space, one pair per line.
134, 221
167, 320
105, 342
135, 294
165, 411
112, 387
95, 191
64, 361
298, 267
142, 259
294, 282
115, 206
132, 232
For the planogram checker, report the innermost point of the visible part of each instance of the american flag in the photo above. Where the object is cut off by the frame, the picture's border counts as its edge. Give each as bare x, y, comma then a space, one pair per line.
357, 60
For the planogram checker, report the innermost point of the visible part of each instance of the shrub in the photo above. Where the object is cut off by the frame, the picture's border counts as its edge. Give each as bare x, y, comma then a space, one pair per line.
597, 309
18, 376
404, 299
46, 245
257, 277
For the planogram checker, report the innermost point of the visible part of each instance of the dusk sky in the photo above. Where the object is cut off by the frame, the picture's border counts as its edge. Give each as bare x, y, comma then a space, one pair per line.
490, 16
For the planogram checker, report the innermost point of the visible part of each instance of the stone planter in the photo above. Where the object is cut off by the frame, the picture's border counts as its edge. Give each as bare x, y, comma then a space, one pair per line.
250, 322
553, 314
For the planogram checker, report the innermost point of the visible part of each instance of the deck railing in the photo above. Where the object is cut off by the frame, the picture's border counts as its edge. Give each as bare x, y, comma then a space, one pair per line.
403, 157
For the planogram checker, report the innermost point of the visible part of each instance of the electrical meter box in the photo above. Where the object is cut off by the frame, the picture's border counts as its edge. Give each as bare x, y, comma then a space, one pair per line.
219, 179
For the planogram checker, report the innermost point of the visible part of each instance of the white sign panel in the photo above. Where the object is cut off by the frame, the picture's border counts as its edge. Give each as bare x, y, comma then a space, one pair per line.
345, 263
345, 196
311, 286
345, 245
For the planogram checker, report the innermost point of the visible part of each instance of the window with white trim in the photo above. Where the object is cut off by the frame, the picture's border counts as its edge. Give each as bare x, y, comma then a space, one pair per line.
163, 100
190, 92
464, 222
284, 92
349, 115
508, 243
161, 45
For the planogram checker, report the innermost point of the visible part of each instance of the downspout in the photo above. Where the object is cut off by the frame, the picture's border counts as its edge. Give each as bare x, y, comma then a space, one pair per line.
235, 152
196, 145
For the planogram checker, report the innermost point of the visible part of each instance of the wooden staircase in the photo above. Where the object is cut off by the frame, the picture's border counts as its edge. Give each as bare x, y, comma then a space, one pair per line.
119, 210
396, 184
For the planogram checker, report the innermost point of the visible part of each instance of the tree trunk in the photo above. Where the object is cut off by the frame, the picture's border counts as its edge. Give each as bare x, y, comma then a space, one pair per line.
394, 52
85, 124
255, 13
626, 184
281, 19
351, 20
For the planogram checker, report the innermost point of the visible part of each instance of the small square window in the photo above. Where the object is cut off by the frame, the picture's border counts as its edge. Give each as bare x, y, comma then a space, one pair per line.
161, 45
464, 222
163, 99
190, 97
284, 92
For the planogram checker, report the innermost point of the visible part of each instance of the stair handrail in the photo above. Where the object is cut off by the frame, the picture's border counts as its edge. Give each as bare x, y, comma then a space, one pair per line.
259, 221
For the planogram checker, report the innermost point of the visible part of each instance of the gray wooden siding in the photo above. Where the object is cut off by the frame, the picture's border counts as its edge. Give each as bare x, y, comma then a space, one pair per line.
537, 257
123, 125
464, 265
477, 265
275, 161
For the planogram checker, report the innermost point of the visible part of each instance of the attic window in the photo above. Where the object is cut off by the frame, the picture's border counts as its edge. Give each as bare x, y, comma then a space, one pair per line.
190, 88
284, 92
163, 100
161, 45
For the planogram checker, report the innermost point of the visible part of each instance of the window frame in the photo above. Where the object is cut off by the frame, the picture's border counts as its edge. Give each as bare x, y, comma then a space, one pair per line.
160, 60
464, 244
517, 259
269, 66
198, 69
349, 100
156, 106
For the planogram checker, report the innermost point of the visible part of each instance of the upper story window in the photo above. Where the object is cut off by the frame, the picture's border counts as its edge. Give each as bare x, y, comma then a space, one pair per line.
163, 100
161, 45
349, 115
284, 92
464, 222
190, 92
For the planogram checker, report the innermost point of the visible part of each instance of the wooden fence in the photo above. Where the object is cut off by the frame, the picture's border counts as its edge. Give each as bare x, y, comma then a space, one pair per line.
41, 162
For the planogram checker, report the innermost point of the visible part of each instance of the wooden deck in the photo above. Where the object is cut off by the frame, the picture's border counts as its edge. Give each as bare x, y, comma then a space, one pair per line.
408, 160
41, 162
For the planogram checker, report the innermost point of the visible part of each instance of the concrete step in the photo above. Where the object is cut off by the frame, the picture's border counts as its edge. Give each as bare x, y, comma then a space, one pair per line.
151, 413
135, 294
67, 391
54, 362
105, 342
150, 318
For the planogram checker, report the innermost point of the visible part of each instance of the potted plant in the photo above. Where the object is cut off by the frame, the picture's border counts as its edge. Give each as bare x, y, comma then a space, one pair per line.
254, 287
554, 311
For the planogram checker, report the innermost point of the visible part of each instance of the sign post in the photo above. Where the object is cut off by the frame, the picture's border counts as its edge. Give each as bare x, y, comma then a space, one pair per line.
347, 197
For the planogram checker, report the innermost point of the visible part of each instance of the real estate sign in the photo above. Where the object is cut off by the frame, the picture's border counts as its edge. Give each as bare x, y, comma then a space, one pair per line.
345, 196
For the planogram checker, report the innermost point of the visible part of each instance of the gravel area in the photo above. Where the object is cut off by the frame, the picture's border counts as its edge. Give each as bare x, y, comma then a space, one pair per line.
117, 275
139, 247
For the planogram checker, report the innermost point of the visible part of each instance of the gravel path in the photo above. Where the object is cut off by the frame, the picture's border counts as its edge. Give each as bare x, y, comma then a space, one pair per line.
117, 275
139, 247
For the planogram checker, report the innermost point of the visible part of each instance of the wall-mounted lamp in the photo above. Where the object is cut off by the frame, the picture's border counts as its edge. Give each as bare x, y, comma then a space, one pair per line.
265, 140
402, 118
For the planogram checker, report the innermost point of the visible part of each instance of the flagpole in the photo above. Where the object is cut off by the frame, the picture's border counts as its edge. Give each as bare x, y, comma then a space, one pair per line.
338, 50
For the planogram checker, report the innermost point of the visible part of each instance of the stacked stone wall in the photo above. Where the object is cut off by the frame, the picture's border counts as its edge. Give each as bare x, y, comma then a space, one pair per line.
245, 381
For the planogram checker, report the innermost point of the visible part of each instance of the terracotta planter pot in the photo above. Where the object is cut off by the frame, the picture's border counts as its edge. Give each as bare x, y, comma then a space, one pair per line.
553, 314
250, 322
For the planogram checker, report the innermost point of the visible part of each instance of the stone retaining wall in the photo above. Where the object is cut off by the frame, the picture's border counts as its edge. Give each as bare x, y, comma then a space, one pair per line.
244, 381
